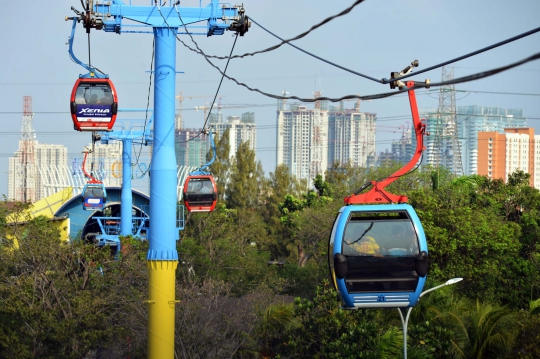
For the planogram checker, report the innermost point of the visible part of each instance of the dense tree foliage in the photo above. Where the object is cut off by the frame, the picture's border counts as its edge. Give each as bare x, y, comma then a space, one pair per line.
265, 244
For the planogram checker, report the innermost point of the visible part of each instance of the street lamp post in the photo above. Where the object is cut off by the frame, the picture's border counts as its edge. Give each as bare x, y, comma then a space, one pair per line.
405, 322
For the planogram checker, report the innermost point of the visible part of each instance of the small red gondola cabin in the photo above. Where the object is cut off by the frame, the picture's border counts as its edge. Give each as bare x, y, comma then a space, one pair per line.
200, 193
94, 104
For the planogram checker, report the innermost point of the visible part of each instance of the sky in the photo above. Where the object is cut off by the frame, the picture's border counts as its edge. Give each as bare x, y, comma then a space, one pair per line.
375, 38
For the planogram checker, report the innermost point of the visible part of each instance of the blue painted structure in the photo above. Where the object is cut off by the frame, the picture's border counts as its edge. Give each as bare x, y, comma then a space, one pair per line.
128, 135
391, 279
162, 255
80, 220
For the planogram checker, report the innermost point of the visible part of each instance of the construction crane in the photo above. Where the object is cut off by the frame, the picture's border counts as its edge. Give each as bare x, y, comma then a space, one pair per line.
207, 106
219, 106
179, 121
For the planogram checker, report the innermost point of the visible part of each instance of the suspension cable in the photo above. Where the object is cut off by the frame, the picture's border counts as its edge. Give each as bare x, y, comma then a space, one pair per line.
315, 56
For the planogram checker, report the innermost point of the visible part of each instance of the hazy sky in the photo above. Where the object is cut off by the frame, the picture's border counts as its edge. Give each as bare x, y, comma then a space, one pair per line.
375, 38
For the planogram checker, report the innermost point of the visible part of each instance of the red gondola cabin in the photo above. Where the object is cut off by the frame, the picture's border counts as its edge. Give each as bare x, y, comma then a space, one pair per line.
94, 104
200, 193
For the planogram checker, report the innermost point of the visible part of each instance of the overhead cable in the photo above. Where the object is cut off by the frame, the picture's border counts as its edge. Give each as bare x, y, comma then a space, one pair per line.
468, 78
316, 26
315, 56
504, 42
386, 81
223, 73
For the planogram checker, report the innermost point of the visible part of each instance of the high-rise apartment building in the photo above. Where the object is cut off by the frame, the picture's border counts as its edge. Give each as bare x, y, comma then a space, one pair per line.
191, 148
351, 137
500, 155
302, 140
32, 176
241, 129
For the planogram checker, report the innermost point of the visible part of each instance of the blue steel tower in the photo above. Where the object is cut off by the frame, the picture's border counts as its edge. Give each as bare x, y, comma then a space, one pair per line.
162, 258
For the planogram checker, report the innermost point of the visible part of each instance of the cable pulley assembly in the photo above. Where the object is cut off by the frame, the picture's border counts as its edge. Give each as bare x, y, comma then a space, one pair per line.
242, 25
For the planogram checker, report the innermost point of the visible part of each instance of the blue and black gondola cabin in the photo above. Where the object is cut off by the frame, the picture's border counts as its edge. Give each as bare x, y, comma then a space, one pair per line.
94, 197
378, 256
94, 104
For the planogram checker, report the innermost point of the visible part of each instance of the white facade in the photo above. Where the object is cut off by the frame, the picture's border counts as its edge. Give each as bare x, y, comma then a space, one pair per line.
351, 138
302, 141
24, 180
536, 161
105, 165
517, 153
240, 130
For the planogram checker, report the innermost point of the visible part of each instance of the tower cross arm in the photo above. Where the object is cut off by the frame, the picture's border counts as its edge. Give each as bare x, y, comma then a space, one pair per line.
111, 13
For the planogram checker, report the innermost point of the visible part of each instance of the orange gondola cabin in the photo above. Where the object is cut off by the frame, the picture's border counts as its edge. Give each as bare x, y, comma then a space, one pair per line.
94, 104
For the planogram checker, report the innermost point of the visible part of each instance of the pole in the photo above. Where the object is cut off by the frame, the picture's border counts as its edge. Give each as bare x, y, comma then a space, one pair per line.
162, 258
126, 203
405, 322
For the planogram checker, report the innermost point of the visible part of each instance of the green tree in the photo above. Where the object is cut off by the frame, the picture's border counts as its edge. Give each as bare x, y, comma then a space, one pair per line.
226, 246
47, 287
279, 185
484, 331
326, 331
221, 167
341, 177
243, 188
528, 341
308, 222
470, 239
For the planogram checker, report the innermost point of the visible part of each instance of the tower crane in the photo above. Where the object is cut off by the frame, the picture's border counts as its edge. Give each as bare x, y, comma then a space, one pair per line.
204, 108
179, 121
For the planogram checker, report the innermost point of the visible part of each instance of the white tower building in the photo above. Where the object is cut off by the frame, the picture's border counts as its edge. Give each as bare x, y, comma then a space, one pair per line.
241, 129
302, 140
351, 137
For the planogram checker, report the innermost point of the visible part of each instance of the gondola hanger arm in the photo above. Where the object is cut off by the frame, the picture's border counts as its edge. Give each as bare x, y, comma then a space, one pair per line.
377, 193
91, 178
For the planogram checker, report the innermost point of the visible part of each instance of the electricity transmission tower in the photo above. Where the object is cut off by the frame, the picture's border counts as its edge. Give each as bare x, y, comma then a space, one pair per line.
447, 149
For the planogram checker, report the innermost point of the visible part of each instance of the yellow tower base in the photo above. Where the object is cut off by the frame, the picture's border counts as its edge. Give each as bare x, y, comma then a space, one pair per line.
161, 308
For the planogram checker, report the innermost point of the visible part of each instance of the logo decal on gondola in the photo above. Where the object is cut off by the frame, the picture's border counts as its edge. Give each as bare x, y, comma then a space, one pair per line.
94, 110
